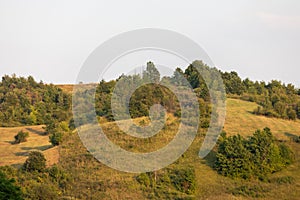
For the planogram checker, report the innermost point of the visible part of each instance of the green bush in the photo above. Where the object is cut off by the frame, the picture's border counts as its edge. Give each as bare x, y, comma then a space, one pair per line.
56, 138
184, 180
257, 156
21, 137
35, 162
144, 179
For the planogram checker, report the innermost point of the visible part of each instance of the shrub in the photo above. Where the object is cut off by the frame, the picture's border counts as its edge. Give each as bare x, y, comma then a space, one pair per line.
257, 156
35, 162
144, 179
56, 138
184, 180
21, 137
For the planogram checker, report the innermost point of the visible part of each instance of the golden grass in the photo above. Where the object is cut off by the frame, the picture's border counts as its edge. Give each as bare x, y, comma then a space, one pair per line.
16, 154
68, 88
240, 120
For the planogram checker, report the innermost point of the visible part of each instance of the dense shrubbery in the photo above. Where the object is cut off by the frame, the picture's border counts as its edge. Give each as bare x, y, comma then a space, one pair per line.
181, 180
257, 156
275, 99
26, 102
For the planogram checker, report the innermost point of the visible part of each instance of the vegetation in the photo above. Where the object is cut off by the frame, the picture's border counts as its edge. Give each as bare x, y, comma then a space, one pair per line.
8, 189
35, 162
21, 137
245, 159
258, 156
23, 101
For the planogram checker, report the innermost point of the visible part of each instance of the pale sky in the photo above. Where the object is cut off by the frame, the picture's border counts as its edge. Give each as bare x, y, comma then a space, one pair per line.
50, 40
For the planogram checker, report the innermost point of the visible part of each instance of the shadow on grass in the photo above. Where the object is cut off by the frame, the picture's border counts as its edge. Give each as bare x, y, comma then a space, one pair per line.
36, 132
18, 165
22, 153
210, 159
292, 137
40, 148
10, 142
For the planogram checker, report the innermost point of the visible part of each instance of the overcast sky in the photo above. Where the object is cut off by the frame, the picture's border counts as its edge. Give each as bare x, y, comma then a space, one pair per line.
50, 40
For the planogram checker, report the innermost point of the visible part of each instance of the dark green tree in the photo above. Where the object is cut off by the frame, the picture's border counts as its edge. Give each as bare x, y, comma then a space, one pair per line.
35, 162
8, 189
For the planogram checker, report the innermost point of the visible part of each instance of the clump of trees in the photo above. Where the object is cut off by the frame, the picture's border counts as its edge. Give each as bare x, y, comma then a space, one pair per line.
23, 101
21, 137
275, 98
254, 157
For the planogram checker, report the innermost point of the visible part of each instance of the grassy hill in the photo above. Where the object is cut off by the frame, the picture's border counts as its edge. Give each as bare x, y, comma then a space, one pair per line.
86, 178
95, 180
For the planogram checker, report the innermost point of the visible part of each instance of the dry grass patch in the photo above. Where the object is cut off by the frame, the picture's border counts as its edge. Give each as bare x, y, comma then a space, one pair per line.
16, 154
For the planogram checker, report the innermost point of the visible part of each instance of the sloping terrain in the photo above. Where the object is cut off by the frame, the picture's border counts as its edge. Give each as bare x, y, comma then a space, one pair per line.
16, 154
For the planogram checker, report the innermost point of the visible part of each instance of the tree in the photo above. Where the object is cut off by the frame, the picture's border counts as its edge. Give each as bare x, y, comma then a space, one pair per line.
35, 162
8, 189
151, 73
21, 137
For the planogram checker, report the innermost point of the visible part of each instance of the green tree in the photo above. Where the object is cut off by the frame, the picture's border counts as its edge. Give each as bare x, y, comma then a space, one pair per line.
35, 162
8, 189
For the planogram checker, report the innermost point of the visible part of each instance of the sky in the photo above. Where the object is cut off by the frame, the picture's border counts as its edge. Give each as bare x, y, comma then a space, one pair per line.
51, 40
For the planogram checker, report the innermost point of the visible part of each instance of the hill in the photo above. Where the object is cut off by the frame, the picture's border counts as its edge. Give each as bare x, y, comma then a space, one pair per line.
94, 179
80, 176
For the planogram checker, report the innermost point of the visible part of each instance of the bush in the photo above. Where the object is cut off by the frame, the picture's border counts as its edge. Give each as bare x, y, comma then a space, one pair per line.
8, 189
257, 156
144, 179
21, 137
56, 138
35, 162
184, 180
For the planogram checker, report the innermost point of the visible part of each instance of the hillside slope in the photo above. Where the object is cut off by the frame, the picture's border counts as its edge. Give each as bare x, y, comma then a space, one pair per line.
111, 184
240, 120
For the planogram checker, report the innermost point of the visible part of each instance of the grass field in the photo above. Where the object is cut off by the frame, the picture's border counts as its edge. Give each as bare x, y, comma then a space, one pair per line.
16, 154
240, 120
